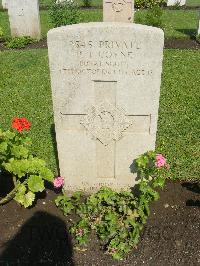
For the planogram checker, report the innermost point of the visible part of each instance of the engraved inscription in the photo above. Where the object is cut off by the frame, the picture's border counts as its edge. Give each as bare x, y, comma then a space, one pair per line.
106, 57
106, 122
118, 5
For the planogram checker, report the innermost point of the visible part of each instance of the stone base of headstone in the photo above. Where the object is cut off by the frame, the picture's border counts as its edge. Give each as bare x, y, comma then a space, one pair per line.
105, 80
176, 2
24, 18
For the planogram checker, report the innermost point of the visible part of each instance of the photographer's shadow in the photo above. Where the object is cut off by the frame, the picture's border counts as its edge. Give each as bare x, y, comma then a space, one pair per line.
43, 239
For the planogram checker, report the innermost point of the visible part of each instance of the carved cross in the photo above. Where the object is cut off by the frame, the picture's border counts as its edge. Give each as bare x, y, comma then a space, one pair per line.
106, 123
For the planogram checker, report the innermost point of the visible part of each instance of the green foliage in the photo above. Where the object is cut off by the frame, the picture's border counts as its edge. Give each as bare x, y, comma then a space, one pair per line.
198, 38
1, 33
87, 3
116, 217
65, 13
148, 3
19, 42
154, 17
29, 172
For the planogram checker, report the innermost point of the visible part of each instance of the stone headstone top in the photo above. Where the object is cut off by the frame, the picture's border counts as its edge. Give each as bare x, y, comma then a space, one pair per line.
24, 18
5, 4
105, 80
118, 11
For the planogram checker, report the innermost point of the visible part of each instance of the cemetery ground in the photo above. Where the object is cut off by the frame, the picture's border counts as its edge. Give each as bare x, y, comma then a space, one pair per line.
179, 25
171, 236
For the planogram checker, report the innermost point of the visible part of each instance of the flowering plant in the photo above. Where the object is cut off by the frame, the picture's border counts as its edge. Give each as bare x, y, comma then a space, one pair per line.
117, 217
28, 172
58, 182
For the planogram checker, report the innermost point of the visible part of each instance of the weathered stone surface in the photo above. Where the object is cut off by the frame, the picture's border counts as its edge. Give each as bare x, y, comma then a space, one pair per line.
118, 10
105, 81
24, 18
4, 4
176, 2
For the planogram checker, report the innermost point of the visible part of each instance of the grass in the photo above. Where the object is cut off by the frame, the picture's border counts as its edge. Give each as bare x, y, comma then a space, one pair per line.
25, 90
178, 23
100, 2
181, 24
86, 16
193, 3
179, 122
96, 3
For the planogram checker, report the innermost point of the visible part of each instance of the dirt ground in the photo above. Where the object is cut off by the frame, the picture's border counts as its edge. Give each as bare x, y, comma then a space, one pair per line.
38, 236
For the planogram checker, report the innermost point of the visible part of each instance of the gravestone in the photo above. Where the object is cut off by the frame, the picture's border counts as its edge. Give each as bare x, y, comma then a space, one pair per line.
198, 32
24, 18
5, 4
105, 80
118, 10
176, 2
62, 1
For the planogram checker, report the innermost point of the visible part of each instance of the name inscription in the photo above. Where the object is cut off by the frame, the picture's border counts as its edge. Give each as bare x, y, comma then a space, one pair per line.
108, 57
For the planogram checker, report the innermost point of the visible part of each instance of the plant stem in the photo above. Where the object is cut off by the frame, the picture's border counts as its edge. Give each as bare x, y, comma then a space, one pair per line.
8, 197
15, 181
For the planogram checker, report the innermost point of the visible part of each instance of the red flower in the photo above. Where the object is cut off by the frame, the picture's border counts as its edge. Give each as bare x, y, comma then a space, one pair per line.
20, 124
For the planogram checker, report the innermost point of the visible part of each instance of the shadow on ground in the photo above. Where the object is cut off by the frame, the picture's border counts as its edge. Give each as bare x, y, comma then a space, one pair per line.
195, 188
190, 32
43, 239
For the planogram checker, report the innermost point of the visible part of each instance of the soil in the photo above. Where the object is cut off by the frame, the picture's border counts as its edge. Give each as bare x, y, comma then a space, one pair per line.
169, 44
39, 235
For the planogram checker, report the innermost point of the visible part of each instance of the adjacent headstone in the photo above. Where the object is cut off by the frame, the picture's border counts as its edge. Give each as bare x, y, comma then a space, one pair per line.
4, 4
62, 1
105, 80
176, 2
24, 18
198, 32
118, 10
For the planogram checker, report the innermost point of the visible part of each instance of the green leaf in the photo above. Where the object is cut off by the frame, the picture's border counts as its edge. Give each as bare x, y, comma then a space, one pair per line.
24, 199
19, 197
28, 199
35, 183
19, 151
21, 189
46, 174
3, 146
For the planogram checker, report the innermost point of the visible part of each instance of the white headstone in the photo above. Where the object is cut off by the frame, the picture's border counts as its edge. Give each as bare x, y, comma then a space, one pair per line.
118, 10
5, 4
198, 32
176, 2
105, 80
62, 1
24, 18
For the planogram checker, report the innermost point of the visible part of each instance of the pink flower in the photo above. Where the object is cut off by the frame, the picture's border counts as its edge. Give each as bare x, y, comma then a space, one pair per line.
58, 182
113, 250
80, 232
160, 161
